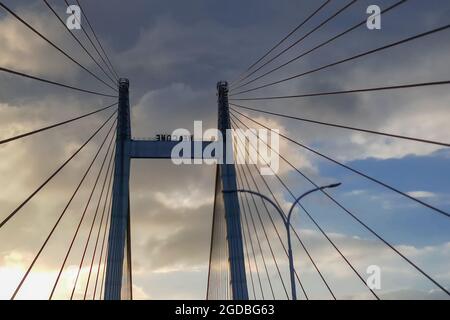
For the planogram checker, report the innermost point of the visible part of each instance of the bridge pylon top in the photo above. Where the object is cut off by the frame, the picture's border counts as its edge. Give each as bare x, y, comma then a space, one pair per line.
124, 82
222, 85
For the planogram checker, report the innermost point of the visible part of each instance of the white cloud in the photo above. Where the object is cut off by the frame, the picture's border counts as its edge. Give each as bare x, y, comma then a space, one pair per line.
24, 51
179, 200
421, 194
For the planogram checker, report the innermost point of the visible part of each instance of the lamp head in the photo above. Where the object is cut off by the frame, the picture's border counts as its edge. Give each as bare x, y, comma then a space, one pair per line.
334, 185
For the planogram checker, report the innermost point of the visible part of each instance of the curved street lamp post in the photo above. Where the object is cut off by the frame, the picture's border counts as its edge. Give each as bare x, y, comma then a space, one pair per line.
287, 223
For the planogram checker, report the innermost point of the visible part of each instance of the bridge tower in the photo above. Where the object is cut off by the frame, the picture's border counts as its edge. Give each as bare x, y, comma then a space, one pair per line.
226, 174
118, 284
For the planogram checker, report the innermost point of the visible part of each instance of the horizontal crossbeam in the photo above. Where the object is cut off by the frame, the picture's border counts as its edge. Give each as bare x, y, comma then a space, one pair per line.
149, 149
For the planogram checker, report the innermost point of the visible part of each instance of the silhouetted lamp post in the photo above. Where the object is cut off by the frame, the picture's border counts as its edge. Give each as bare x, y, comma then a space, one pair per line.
287, 223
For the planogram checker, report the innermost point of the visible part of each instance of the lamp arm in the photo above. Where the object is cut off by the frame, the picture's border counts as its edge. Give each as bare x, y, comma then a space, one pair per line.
280, 212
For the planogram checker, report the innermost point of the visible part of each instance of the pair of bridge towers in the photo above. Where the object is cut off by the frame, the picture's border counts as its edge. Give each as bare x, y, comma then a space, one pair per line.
118, 283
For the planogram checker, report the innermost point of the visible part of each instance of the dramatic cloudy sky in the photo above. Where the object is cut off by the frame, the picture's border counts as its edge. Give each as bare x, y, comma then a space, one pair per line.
174, 52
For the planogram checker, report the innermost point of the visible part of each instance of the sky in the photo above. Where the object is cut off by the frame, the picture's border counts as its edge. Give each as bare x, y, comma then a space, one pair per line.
173, 53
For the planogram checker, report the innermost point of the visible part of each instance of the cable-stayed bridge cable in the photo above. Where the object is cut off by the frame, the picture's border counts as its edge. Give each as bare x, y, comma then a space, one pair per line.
331, 93
114, 82
362, 23
105, 259
98, 41
54, 45
239, 171
246, 250
15, 211
109, 193
61, 215
21, 74
235, 126
341, 10
420, 270
360, 173
23, 135
267, 239
247, 225
343, 126
360, 55
240, 77
104, 244
259, 242
86, 34
304, 209
94, 187
291, 226
94, 219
